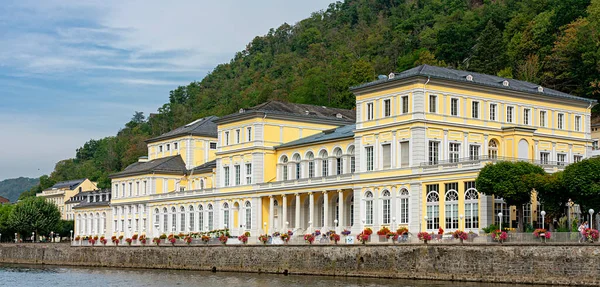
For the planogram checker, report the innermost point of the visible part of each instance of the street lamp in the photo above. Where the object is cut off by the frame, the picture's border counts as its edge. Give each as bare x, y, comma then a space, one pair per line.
500, 220
33, 237
425, 218
591, 211
71, 235
287, 223
461, 220
265, 227
16, 237
173, 230
51, 236
543, 213
393, 223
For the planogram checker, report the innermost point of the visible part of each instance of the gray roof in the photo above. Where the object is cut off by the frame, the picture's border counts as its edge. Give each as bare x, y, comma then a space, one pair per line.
204, 167
169, 165
478, 79
85, 204
301, 110
200, 127
328, 135
69, 184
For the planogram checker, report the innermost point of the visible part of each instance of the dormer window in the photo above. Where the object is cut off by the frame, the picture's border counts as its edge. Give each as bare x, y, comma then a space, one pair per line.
505, 83
391, 76
540, 89
470, 78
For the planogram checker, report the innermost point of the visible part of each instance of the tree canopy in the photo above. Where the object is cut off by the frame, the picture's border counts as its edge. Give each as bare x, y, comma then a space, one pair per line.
582, 181
34, 214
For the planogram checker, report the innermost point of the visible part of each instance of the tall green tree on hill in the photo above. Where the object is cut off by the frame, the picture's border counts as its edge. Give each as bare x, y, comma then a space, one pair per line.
489, 55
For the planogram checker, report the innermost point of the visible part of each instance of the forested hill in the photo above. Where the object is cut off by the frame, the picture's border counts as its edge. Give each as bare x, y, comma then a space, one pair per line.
551, 42
12, 188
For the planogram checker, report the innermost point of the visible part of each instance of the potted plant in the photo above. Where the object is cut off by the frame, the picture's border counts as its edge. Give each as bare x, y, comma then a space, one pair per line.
424, 236
499, 236
402, 233
134, 237
542, 234
309, 238
115, 241
285, 237
243, 239
172, 240
77, 238
223, 239
263, 238
156, 240
590, 234
461, 235
103, 241
346, 232
142, 239
383, 232
335, 238
188, 240
92, 241
440, 233
393, 236
128, 240
363, 237
205, 239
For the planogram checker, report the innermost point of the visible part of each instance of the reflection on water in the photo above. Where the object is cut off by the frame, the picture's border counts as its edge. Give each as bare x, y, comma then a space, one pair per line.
33, 275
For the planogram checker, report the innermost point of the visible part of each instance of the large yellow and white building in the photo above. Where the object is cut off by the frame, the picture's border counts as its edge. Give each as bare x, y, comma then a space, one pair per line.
407, 156
61, 192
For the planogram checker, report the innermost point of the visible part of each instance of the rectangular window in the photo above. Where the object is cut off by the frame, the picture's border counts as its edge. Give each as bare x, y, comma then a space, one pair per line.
237, 136
434, 153
387, 107
249, 130
561, 159
311, 169
454, 107
160, 148
577, 123
238, 171
386, 211
509, 114
544, 157
248, 173
526, 116
369, 152
577, 158
475, 110
369, 111
405, 104
542, 118
561, 121
175, 146
404, 154
386, 155
226, 138
454, 152
226, 175
324, 167
213, 145
474, 152
493, 108
352, 164
432, 104
168, 147
369, 212
339, 169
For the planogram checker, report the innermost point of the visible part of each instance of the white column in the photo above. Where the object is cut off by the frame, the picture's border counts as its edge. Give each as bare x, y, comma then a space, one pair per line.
341, 212
241, 221
325, 210
311, 206
284, 211
297, 218
271, 209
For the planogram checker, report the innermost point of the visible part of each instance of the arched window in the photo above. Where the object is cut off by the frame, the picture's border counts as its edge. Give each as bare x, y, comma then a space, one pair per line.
284, 168
173, 219
104, 222
210, 217
339, 169
386, 206
311, 164
433, 207
192, 219
352, 159
369, 208
493, 149
403, 206
225, 215
201, 183
472, 206
201, 217
451, 206
297, 163
182, 227
165, 221
156, 216
324, 164
248, 207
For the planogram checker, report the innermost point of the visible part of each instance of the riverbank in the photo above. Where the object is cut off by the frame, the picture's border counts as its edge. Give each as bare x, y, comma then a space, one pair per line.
564, 264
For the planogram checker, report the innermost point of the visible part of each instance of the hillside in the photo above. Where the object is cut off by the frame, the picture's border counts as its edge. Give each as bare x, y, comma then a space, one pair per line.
12, 188
554, 43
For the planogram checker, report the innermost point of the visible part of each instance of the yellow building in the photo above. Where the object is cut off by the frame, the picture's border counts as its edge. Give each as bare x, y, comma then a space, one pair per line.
93, 213
61, 192
407, 156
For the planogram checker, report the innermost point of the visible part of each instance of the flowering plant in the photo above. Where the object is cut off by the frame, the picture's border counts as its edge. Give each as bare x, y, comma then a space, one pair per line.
187, 240
263, 238
591, 234
247, 233
96, 237
363, 237
163, 236
115, 240
499, 236
243, 238
181, 235
128, 240
223, 239
317, 232
156, 240
172, 240
459, 234
368, 231
309, 238
395, 236
285, 237
103, 241
440, 231
425, 236
92, 241
383, 231
120, 237
402, 230
77, 238
134, 237
390, 235
538, 232
276, 234
334, 237
346, 232
143, 240
205, 238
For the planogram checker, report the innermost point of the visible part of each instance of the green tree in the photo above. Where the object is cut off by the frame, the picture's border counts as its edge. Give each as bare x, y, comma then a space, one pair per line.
582, 180
489, 55
511, 181
34, 214
5, 228
552, 193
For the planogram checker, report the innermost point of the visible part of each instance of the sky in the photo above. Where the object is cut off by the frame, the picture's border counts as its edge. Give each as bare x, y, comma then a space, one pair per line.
73, 70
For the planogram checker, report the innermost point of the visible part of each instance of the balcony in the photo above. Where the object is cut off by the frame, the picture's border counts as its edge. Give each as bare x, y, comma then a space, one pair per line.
186, 193
308, 181
549, 166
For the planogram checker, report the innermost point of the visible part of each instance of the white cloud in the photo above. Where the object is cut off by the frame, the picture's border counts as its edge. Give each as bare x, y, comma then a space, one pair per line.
152, 82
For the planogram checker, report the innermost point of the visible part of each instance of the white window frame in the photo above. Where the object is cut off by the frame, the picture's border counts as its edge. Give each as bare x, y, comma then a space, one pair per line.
510, 119
543, 118
433, 104
405, 107
454, 109
370, 111
577, 123
454, 152
560, 121
387, 108
370, 158
248, 173
493, 113
475, 113
526, 116
226, 176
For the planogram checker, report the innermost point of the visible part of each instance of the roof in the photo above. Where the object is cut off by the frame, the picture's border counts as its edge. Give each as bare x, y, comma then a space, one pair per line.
71, 184
4, 199
207, 167
332, 134
478, 79
85, 204
298, 110
169, 165
200, 127
595, 121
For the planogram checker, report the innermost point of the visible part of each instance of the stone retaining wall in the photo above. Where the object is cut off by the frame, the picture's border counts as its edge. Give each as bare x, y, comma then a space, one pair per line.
544, 264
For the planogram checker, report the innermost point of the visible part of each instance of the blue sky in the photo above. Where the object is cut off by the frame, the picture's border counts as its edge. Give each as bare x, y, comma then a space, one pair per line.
75, 70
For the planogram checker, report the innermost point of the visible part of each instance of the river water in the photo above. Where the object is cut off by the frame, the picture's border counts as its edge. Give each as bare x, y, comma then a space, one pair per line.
36, 275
